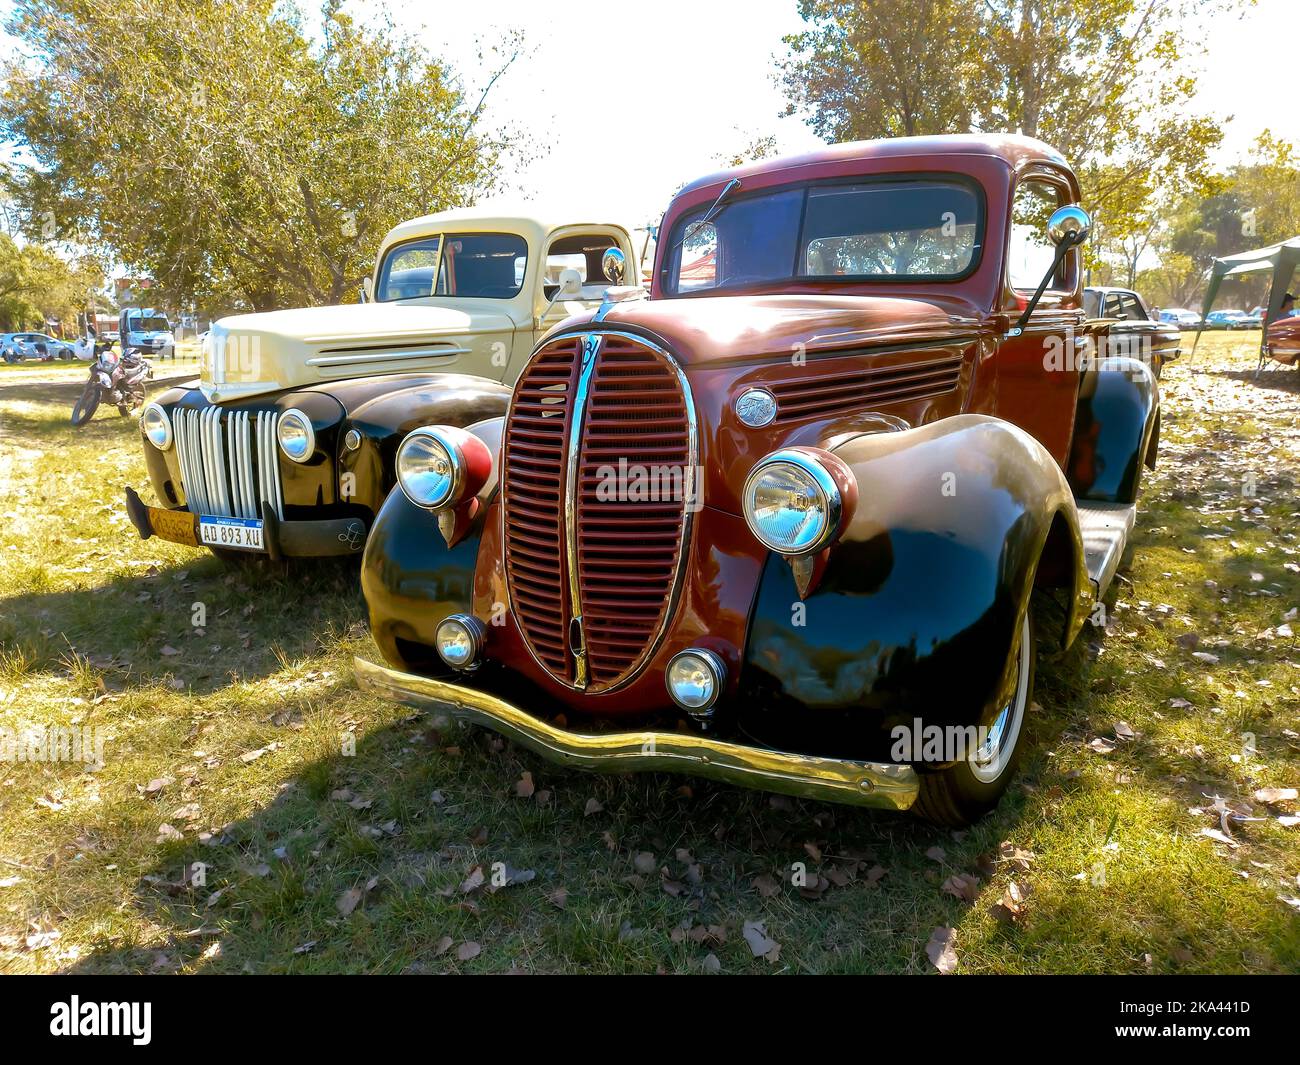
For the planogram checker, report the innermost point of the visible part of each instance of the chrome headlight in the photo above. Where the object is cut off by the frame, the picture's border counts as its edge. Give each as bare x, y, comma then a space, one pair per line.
157, 426
427, 468
441, 465
792, 503
296, 436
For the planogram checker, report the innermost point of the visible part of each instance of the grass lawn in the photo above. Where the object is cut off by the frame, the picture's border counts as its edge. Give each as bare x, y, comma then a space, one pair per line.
334, 831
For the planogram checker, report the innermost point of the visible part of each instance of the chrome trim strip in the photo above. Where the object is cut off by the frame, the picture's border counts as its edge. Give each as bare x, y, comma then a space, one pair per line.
577, 415
384, 356
878, 784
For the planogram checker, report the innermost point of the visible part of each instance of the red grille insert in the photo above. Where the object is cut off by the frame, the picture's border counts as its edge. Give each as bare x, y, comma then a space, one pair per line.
850, 392
635, 472
536, 441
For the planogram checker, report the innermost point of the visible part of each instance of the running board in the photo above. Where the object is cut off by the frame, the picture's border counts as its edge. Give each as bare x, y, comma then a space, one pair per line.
1105, 528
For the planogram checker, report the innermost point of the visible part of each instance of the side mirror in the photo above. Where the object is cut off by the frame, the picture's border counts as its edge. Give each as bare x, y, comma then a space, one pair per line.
570, 285
1068, 227
367, 289
1070, 221
613, 264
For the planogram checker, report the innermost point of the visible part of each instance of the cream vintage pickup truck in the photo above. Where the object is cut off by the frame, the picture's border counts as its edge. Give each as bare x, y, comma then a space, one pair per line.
286, 447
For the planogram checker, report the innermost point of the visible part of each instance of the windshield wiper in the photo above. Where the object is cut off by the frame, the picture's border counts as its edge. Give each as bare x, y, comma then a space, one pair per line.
708, 215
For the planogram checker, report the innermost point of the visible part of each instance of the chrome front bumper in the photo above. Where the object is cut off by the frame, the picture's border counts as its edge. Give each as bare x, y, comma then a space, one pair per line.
879, 784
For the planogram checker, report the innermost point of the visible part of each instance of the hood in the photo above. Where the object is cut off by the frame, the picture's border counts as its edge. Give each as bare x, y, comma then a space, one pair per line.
251, 354
711, 329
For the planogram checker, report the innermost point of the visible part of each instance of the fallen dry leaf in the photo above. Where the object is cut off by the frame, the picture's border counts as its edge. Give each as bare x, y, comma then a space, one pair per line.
349, 900
941, 950
761, 945
964, 886
468, 951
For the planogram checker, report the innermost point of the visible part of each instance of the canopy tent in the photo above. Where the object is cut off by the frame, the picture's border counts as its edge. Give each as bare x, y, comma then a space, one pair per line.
1279, 259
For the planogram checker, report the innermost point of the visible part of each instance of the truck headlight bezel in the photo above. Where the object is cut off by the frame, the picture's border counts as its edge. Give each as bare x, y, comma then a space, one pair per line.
794, 500
439, 466
156, 425
295, 420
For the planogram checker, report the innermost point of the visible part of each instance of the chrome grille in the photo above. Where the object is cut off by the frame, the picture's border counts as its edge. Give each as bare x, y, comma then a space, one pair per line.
228, 468
593, 579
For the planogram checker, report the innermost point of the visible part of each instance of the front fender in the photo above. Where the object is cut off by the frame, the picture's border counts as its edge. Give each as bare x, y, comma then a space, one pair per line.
411, 580
915, 610
1116, 427
383, 422
418, 567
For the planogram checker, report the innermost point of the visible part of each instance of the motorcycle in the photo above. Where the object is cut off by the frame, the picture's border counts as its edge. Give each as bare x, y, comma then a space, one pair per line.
119, 379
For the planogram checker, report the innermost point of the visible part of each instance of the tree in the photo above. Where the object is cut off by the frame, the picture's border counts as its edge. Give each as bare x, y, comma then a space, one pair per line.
227, 153
37, 286
1104, 81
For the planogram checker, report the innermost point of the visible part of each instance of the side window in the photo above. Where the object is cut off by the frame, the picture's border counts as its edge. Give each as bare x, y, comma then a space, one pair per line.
584, 252
408, 271
1113, 307
1030, 251
1091, 303
1131, 308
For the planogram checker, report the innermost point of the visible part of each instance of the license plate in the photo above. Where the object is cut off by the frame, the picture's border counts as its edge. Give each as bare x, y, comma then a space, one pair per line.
240, 533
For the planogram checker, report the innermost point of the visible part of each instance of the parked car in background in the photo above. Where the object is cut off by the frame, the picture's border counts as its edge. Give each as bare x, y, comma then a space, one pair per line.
1253, 319
1227, 320
1181, 317
27, 347
1133, 331
782, 521
286, 447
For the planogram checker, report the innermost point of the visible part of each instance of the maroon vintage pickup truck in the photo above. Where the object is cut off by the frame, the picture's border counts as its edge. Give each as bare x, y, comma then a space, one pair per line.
780, 524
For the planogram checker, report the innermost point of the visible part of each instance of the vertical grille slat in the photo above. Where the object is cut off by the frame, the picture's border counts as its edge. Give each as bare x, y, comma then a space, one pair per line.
228, 465
534, 471
627, 546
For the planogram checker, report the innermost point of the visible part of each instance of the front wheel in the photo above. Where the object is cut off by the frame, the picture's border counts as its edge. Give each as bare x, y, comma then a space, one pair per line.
967, 790
85, 407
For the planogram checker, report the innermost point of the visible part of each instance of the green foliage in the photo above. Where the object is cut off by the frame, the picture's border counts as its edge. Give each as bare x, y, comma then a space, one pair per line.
1254, 204
37, 286
228, 152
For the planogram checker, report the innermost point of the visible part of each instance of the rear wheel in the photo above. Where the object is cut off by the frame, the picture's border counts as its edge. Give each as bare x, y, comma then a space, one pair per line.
967, 790
84, 409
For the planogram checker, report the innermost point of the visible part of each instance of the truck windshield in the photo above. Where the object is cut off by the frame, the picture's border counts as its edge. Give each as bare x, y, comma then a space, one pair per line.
474, 265
147, 325
895, 229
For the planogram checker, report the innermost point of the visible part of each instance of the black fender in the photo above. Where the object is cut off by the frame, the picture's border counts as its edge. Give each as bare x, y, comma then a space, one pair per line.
1116, 430
418, 567
383, 421
915, 611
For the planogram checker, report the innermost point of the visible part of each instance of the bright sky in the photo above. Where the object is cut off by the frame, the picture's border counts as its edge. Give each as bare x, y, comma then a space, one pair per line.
629, 101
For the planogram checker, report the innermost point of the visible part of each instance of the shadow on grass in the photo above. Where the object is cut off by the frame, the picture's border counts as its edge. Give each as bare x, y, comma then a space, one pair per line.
1274, 377
641, 859
122, 627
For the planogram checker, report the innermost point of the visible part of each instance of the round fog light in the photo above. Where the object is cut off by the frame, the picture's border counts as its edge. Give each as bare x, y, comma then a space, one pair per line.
459, 640
695, 680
